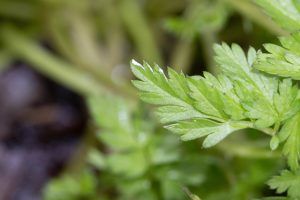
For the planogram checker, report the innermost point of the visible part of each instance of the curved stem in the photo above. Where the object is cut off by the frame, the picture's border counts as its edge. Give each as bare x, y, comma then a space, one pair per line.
247, 151
249, 10
59, 70
268, 131
137, 26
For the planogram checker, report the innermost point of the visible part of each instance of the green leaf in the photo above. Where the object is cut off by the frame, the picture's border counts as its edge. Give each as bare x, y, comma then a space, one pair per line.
197, 128
286, 102
196, 106
118, 140
282, 61
71, 187
96, 158
171, 93
287, 181
132, 164
284, 12
110, 113
235, 65
207, 99
274, 142
254, 89
216, 96
137, 189
290, 134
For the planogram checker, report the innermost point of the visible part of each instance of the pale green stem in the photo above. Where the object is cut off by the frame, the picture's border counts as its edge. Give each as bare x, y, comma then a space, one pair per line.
138, 28
268, 131
208, 40
251, 11
114, 34
58, 69
247, 151
181, 57
85, 43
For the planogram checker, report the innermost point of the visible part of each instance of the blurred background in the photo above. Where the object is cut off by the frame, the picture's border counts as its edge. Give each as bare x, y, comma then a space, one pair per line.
72, 126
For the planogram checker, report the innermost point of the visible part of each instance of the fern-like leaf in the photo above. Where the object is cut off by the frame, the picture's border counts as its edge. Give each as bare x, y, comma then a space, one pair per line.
290, 134
213, 107
188, 102
287, 181
282, 60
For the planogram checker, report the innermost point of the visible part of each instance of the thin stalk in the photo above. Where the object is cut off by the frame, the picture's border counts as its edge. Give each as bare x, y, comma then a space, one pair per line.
114, 33
60, 38
50, 65
85, 44
268, 131
249, 10
138, 28
181, 57
81, 51
247, 151
58, 69
208, 40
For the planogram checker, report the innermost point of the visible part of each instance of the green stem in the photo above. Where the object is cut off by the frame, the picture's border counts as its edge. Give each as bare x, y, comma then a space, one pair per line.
48, 64
137, 26
114, 33
82, 50
85, 44
58, 69
247, 151
268, 131
181, 58
252, 12
208, 40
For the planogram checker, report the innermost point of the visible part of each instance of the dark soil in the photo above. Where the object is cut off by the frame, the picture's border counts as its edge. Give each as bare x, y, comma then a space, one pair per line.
41, 124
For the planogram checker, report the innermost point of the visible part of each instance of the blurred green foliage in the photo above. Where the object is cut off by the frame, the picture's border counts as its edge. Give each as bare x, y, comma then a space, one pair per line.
142, 161
126, 155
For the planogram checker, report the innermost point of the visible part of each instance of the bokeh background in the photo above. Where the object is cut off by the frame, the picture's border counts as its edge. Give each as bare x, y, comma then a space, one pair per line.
71, 124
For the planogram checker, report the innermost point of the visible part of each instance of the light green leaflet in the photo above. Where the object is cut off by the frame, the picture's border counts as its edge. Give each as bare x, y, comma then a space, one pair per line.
213, 107
214, 131
290, 135
265, 97
184, 99
287, 181
255, 90
282, 61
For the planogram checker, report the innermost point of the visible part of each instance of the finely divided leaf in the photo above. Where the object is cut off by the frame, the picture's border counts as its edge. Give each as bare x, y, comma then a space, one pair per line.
170, 93
282, 61
286, 102
287, 181
210, 106
197, 128
254, 90
238, 67
196, 106
207, 99
290, 134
